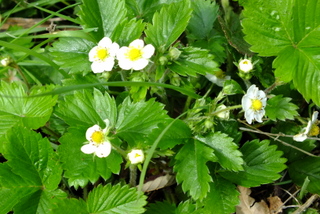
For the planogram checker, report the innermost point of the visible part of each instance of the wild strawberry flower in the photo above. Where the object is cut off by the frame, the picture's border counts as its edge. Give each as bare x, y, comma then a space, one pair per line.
136, 156
136, 56
218, 78
311, 130
103, 55
98, 143
245, 65
253, 104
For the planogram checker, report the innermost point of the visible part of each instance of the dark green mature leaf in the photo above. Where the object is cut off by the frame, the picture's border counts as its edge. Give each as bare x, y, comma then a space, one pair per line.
222, 198
19, 109
262, 164
115, 199
307, 167
203, 16
81, 168
225, 150
104, 15
70, 206
191, 168
168, 24
160, 208
30, 176
72, 54
136, 120
280, 108
192, 61
290, 31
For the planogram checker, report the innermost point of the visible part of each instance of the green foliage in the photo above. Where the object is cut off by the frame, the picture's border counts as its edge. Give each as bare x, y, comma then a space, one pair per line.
262, 164
280, 108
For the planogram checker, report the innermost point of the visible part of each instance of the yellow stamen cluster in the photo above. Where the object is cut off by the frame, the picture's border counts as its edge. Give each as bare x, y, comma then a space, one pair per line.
256, 105
97, 137
315, 130
102, 53
134, 54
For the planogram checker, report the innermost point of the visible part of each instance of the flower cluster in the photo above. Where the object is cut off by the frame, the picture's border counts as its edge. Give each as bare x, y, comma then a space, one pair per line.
135, 56
311, 130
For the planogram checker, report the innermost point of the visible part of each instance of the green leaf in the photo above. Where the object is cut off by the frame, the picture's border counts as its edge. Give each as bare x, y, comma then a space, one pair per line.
104, 15
81, 168
137, 120
19, 109
192, 61
168, 24
191, 168
203, 16
72, 54
306, 167
160, 208
70, 206
115, 199
225, 150
229, 127
84, 109
280, 108
223, 196
290, 31
127, 31
262, 164
31, 174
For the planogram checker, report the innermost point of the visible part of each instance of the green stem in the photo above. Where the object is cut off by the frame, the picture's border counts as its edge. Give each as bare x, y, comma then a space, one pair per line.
133, 175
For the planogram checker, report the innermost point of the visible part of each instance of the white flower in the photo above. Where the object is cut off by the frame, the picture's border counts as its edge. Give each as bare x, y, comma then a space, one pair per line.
245, 65
103, 55
136, 156
253, 104
223, 114
218, 78
5, 62
136, 56
98, 143
311, 129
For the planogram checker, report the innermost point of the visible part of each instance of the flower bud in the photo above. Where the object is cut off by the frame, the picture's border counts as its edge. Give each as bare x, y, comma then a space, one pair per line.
223, 114
174, 53
136, 156
245, 65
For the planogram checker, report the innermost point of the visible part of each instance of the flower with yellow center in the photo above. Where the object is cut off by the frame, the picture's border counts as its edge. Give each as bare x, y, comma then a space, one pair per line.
103, 55
245, 65
136, 156
136, 56
253, 104
97, 141
311, 130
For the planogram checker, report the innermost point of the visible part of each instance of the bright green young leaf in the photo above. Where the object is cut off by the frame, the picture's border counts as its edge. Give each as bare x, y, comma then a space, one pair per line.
187, 207
84, 109
262, 164
70, 206
191, 168
192, 61
72, 54
225, 150
306, 167
290, 31
136, 120
82, 168
105, 15
160, 208
280, 108
127, 31
203, 16
31, 174
222, 198
168, 24
19, 109
115, 199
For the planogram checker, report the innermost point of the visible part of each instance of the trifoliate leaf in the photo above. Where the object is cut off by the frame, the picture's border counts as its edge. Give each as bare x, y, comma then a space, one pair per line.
225, 150
192, 61
222, 198
115, 199
81, 168
280, 108
306, 167
137, 120
191, 168
290, 31
262, 164
72, 54
19, 109
29, 178
104, 15
168, 24
203, 16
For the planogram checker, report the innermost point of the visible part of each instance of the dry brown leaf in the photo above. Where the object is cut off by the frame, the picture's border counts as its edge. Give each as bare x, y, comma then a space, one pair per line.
275, 205
158, 183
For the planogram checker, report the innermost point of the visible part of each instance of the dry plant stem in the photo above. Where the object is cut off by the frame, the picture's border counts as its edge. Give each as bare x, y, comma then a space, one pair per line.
307, 204
291, 196
276, 139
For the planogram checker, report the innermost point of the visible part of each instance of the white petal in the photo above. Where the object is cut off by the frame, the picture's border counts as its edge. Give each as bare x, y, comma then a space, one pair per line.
139, 64
125, 64
92, 54
258, 116
246, 103
314, 117
103, 150
148, 51
121, 53
300, 137
91, 130
261, 94
105, 42
138, 43
249, 115
113, 49
308, 128
108, 64
97, 67
88, 148
136, 156
212, 78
